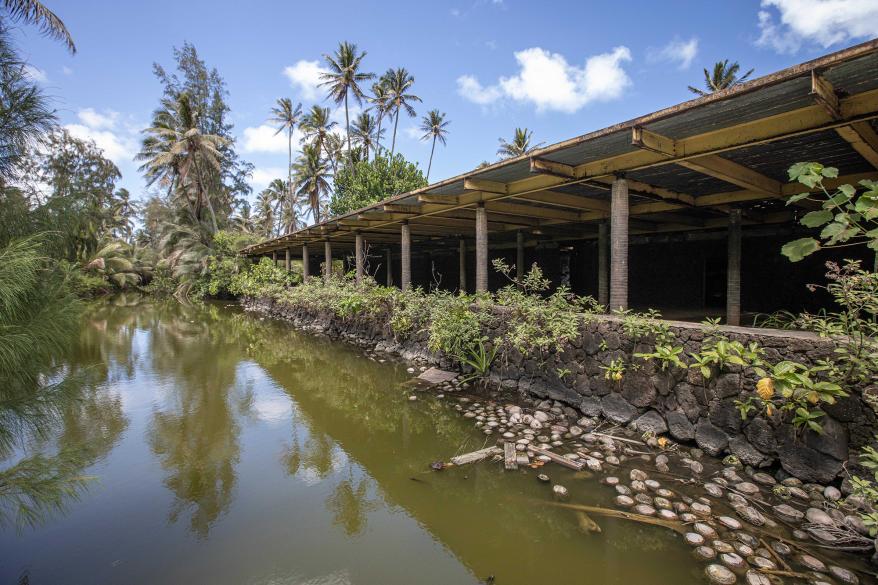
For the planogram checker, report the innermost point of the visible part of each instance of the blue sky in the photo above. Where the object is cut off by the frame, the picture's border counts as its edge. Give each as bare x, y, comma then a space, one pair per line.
559, 68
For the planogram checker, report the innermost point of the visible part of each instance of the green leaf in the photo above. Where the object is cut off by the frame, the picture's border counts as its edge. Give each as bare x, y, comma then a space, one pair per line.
816, 218
798, 249
829, 172
797, 198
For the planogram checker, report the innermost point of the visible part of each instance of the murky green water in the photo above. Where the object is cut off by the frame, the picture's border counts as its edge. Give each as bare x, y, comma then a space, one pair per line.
233, 450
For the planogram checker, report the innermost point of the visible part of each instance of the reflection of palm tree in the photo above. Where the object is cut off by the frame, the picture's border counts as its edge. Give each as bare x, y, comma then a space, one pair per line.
349, 504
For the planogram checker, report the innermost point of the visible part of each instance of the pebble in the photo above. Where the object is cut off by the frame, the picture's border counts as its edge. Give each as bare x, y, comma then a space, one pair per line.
665, 493
815, 516
747, 539
787, 513
663, 503
643, 499
623, 490
560, 492
638, 475
742, 549
666, 515
693, 539
705, 553
611, 480
638, 486
832, 493
750, 489
756, 578
543, 478
644, 509
751, 515
722, 546
733, 561
624, 501
811, 563
412, 398
714, 490
720, 575
729, 522
763, 478
705, 530
652, 484
761, 563
700, 509
844, 575
781, 548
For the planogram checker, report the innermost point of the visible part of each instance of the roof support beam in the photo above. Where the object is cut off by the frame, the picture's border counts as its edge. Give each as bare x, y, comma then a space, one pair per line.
486, 186
860, 135
547, 167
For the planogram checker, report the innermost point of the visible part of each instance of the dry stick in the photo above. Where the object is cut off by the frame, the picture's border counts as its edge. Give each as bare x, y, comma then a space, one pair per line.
575, 465
615, 438
675, 526
793, 574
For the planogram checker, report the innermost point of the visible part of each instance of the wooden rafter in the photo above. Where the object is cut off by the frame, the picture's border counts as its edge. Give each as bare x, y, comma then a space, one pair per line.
860, 135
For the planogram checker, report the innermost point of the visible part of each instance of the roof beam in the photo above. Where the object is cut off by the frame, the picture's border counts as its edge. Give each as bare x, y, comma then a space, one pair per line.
648, 189
734, 173
547, 167
860, 135
486, 186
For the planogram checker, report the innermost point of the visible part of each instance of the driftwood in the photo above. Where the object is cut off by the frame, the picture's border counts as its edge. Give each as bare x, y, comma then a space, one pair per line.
475, 456
615, 438
586, 524
674, 525
569, 463
509, 456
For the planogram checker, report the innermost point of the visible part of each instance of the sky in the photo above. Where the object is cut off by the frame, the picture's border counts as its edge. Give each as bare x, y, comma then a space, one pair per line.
560, 69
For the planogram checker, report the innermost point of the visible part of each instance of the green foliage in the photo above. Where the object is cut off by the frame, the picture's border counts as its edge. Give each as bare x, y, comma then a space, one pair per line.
163, 283
867, 488
366, 182
479, 358
264, 278
615, 370
847, 217
455, 327
719, 352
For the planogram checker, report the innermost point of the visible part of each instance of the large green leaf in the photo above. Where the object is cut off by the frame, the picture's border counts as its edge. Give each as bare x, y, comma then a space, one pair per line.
816, 218
798, 249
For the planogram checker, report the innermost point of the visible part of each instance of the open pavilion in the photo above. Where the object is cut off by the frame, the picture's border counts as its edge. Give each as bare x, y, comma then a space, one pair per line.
683, 209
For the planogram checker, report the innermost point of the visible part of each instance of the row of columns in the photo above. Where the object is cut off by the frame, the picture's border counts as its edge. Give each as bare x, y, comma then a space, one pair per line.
612, 256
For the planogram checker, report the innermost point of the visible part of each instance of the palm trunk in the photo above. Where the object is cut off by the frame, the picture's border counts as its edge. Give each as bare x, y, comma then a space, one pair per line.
378, 135
205, 196
430, 164
395, 124
347, 124
292, 225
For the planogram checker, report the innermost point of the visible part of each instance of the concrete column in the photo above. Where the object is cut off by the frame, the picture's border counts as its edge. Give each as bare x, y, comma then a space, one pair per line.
406, 256
287, 261
619, 244
327, 253
519, 254
389, 264
358, 244
274, 257
603, 264
733, 271
481, 248
306, 263
461, 249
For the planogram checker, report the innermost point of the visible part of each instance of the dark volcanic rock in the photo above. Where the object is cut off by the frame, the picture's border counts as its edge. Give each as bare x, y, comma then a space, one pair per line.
709, 438
680, 427
650, 421
617, 409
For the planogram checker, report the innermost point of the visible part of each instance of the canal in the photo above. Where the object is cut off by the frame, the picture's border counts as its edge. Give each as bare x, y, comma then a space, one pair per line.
228, 449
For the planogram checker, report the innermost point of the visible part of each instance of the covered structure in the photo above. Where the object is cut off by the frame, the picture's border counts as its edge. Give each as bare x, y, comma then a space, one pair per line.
683, 209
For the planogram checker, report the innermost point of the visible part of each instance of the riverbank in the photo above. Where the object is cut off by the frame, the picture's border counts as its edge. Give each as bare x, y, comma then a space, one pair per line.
741, 521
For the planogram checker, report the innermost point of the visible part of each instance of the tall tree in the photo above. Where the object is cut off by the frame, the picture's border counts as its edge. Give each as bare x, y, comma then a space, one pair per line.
435, 127
722, 77
314, 177
519, 145
343, 79
399, 83
379, 100
287, 117
35, 13
366, 133
316, 126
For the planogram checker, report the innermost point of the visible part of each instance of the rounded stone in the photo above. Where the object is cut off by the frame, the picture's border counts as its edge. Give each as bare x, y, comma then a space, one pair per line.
763, 478
756, 578
705, 553
665, 493
729, 522
638, 486
700, 509
812, 564
663, 503
666, 515
624, 501
611, 480
652, 484
742, 549
705, 530
688, 517
781, 548
693, 539
560, 492
638, 475
733, 561
720, 575
722, 546
643, 499
817, 516
623, 490
644, 510
750, 489
832, 493
747, 539
844, 575
787, 513
751, 515
543, 478
714, 490
761, 562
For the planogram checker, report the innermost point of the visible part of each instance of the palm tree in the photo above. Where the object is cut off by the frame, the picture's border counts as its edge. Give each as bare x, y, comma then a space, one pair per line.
520, 144
380, 102
33, 12
265, 212
434, 125
398, 82
316, 126
344, 77
724, 76
176, 151
314, 178
288, 118
277, 190
366, 133
333, 146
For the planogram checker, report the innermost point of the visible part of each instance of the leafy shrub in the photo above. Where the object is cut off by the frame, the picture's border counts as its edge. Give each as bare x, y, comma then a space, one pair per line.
264, 278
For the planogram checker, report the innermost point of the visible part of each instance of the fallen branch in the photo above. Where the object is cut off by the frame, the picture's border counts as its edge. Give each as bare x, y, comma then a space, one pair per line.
476, 455
610, 513
569, 463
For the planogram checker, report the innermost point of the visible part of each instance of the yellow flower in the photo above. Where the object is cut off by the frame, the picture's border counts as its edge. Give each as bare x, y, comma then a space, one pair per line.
662, 442
813, 397
769, 409
617, 376
765, 388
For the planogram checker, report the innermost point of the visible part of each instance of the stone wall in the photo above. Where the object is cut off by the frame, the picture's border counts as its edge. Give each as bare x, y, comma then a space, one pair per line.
680, 403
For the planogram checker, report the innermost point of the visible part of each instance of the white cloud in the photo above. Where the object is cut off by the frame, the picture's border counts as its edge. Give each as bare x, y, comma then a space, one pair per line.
413, 132
37, 74
550, 83
96, 120
118, 143
66, 70
262, 176
677, 51
265, 138
116, 148
824, 22
305, 76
